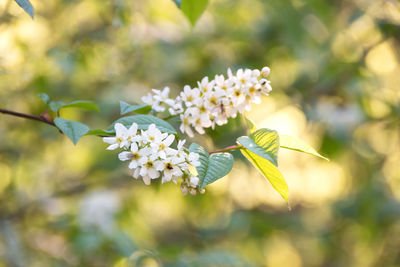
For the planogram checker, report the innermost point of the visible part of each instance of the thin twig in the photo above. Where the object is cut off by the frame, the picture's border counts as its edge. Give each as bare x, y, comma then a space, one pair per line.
27, 116
225, 149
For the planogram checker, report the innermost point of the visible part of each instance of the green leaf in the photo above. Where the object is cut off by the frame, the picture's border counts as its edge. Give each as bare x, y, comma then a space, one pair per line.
100, 133
178, 2
56, 105
268, 140
83, 104
297, 144
27, 6
269, 171
141, 109
202, 169
193, 9
263, 142
250, 125
45, 98
220, 164
212, 167
73, 129
143, 122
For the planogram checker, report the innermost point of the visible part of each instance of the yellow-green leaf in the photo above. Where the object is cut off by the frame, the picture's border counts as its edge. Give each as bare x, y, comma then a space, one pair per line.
297, 144
193, 9
250, 125
270, 172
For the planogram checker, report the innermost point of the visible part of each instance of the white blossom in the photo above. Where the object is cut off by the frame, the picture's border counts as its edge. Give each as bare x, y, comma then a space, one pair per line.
150, 154
122, 136
213, 102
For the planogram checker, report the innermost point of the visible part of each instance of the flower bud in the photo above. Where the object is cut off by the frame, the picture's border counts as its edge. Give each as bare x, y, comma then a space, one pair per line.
193, 191
265, 72
202, 191
184, 189
255, 73
194, 181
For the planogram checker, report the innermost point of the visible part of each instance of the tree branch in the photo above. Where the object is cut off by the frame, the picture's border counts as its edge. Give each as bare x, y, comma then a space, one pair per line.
27, 116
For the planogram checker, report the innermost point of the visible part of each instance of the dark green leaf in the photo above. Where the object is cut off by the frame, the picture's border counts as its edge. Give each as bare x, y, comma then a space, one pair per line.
141, 109
73, 129
212, 167
220, 164
100, 133
45, 98
269, 171
202, 169
27, 6
143, 122
193, 9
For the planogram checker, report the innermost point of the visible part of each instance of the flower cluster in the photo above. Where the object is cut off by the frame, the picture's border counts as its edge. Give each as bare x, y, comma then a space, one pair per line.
151, 156
213, 102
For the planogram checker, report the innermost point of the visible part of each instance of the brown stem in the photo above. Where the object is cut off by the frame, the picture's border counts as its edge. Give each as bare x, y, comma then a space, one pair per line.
225, 149
27, 116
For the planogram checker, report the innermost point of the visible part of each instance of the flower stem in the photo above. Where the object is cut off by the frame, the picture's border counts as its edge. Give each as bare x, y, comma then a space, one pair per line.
226, 149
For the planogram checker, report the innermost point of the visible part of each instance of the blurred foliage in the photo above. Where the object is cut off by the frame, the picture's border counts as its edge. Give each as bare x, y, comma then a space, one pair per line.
335, 73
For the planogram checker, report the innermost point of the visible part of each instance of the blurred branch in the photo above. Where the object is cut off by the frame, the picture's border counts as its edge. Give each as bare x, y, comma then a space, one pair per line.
27, 116
225, 149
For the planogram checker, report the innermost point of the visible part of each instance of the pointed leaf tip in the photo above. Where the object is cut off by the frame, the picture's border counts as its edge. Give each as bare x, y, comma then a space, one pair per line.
293, 143
72, 129
26, 6
193, 9
269, 171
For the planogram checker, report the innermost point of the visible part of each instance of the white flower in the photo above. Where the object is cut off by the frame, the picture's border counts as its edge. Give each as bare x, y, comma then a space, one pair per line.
134, 155
205, 86
265, 72
181, 143
161, 96
223, 84
150, 153
148, 168
153, 135
214, 101
190, 96
193, 159
121, 137
186, 125
176, 108
245, 77
170, 169
148, 99
194, 181
162, 148
159, 100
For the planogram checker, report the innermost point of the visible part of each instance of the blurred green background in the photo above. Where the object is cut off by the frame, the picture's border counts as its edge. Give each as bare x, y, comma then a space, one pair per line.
335, 72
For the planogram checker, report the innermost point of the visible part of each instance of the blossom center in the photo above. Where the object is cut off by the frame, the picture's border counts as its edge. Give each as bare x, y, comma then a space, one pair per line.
149, 164
169, 166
